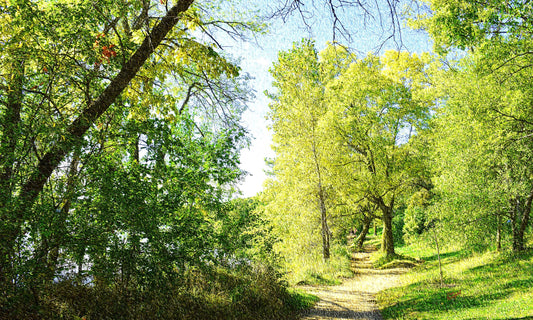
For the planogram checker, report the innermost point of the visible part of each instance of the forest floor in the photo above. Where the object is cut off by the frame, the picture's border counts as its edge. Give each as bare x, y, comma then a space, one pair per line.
354, 298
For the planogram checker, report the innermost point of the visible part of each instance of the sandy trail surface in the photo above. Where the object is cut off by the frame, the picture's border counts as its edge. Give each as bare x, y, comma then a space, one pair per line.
354, 298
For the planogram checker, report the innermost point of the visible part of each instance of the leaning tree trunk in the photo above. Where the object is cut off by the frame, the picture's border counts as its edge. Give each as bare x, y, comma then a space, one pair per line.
360, 240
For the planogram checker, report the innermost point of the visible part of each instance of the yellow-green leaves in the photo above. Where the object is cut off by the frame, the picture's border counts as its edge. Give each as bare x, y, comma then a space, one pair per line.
342, 128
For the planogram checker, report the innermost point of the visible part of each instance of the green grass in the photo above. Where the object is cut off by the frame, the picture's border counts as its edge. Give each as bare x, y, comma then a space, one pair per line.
313, 270
301, 300
478, 286
382, 261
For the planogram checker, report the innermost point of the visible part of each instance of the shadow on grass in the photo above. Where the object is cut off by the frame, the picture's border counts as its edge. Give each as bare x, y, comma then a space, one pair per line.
494, 281
453, 254
440, 300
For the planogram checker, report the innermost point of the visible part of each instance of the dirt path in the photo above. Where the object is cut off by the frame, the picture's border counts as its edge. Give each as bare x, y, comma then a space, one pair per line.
354, 298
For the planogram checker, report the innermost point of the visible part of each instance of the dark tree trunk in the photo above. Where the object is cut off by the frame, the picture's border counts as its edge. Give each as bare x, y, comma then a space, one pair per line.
360, 240
521, 220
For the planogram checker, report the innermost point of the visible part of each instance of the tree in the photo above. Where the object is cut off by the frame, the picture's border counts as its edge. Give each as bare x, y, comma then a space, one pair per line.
87, 89
299, 141
348, 122
472, 24
483, 150
496, 35
376, 106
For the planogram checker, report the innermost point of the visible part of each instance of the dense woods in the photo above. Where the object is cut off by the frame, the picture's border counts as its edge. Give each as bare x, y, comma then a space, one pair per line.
120, 135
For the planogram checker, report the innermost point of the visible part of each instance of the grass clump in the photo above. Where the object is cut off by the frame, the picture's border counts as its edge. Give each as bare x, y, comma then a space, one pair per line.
475, 286
301, 300
313, 270
383, 261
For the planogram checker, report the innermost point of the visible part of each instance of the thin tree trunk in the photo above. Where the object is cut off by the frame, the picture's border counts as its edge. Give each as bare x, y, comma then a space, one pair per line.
325, 227
322, 205
499, 233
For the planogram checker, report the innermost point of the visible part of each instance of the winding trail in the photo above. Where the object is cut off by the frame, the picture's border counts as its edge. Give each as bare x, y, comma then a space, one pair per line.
354, 298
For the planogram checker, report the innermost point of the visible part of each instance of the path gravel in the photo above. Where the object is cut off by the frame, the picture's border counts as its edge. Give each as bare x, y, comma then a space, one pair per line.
354, 298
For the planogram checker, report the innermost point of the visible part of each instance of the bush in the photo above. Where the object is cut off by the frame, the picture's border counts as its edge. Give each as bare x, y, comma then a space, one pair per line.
397, 228
252, 292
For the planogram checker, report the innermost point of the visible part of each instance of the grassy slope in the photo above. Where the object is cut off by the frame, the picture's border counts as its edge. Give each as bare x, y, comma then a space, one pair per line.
483, 286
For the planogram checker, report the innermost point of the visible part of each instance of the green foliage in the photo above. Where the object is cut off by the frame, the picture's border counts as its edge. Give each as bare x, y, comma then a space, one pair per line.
468, 23
398, 226
481, 156
302, 300
416, 215
119, 156
342, 127
242, 233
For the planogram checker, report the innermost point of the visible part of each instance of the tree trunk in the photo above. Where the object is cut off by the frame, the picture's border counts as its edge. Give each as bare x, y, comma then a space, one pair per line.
360, 240
325, 227
522, 220
387, 240
322, 206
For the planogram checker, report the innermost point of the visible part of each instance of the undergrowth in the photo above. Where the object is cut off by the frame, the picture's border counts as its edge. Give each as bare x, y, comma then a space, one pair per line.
310, 270
254, 293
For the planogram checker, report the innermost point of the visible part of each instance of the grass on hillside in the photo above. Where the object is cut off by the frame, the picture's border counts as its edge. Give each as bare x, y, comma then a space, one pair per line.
480, 286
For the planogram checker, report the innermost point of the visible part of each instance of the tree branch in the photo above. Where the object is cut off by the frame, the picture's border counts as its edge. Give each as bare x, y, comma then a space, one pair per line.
80, 125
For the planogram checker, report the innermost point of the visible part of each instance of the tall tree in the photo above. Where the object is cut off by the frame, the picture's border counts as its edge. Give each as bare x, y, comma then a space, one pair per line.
376, 106
299, 141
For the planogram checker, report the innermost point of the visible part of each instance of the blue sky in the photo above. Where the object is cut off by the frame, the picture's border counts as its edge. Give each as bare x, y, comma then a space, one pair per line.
257, 59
